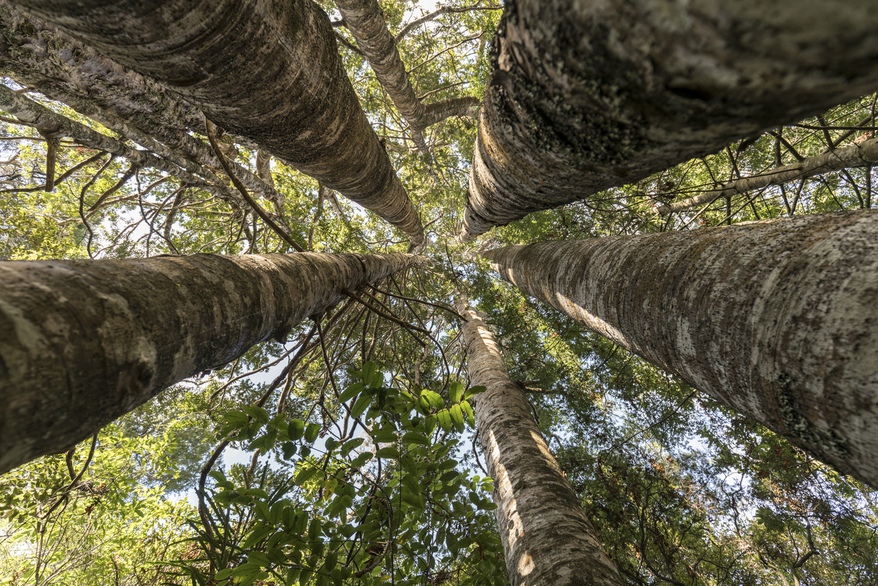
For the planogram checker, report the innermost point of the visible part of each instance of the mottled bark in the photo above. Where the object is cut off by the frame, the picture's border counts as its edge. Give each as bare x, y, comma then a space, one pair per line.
39, 57
586, 95
439, 111
547, 539
268, 71
778, 320
366, 23
857, 155
48, 122
84, 342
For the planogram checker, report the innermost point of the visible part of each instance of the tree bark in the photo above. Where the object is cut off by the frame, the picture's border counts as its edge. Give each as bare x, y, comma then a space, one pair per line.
366, 22
47, 121
857, 155
547, 539
587, 95
39, 57
268, 71
84, 342
777, 320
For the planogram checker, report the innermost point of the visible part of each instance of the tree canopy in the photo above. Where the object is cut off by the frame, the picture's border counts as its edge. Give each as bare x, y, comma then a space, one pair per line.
345, 452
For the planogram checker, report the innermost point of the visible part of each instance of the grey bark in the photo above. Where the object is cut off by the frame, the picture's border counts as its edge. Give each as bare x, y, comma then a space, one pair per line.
366, 22
50, 123
778, 320
84, 342
857, 155
587, 95
39, 57
547, 539
266, 70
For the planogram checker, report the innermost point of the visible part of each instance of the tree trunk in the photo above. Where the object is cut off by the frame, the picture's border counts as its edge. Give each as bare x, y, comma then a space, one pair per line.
49, 123
589, 95
857, 155
778, 320
366, 22
39, 57
84, 342
546, 536
266, 70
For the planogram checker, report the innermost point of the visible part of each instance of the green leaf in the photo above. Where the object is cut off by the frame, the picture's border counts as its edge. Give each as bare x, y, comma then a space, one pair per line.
361, 405
468, 411
388, 452
311, 432
457, 418
444, 418
433, 399
472, 391
296, 429
415, 437
455, 392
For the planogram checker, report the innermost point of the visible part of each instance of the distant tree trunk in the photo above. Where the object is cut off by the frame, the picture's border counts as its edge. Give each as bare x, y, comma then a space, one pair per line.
546, 536
778, 320
588, 95
84, 342
861, 154
266, 70
48, 122
366, 22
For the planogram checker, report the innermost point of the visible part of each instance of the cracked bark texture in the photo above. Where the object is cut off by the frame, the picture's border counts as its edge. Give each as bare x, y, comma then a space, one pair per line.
267, 70
857, 155
587, 95
778, 320
547, 539
84, 342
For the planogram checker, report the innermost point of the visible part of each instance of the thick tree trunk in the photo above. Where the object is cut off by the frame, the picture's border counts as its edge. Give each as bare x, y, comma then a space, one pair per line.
546, 536
777, 320
266, 70
84, 342
587, 95
857, 155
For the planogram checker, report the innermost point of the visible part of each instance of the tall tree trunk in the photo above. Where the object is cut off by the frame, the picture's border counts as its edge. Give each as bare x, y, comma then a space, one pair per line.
84, 342
588, 95
860, 154
546, 536
143, 111
266, 70
778, 320
48, 122
366, 22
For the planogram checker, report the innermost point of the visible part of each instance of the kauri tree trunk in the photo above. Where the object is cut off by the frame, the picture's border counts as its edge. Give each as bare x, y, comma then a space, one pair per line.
547, 539
265, 70
778, 320
84, 342
367, 25
587, 95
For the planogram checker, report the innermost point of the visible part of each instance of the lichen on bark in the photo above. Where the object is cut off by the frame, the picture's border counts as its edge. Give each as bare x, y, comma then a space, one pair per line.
84, 342
587, 95
775, 319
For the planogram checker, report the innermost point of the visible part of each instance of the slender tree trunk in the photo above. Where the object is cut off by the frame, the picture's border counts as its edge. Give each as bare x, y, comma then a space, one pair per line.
546, 536
778, 320
266, 70
47, 121
84, 342
857, 155
366, 22
587, 95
